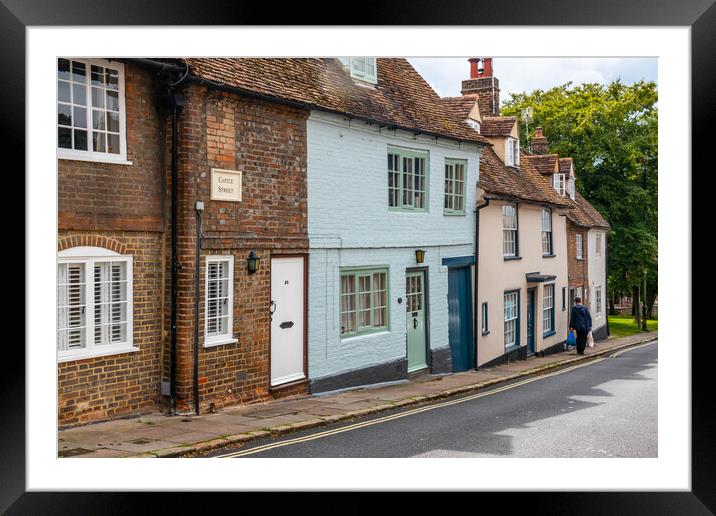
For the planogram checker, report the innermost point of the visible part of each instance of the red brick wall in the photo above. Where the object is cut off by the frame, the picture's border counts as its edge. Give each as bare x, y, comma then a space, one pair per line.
119, 207
267, 142
577, 270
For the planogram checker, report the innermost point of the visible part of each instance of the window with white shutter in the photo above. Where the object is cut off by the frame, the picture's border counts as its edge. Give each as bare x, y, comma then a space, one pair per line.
219, 318
94, 303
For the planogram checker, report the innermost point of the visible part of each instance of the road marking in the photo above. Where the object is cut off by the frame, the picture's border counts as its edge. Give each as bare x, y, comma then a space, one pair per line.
364, 424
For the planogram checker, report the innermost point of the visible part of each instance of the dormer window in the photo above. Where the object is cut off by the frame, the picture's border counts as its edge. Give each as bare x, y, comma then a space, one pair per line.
512, 152
364, 69
559, 183
474, 124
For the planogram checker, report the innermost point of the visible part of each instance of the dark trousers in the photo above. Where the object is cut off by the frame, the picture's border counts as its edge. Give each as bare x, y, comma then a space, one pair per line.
581, 341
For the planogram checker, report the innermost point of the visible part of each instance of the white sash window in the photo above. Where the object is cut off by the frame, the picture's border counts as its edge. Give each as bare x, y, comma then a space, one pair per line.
94, 303
91, 120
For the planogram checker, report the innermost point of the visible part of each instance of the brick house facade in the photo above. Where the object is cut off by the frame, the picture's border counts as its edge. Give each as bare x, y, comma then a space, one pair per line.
268, 143
116, 209
577, 267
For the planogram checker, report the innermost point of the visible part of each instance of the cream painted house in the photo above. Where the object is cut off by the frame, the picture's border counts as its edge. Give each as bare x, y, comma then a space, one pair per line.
521, 266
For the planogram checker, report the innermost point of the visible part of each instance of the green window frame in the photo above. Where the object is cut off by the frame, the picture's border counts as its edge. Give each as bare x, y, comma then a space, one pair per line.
455, 170
408, 177
363, 301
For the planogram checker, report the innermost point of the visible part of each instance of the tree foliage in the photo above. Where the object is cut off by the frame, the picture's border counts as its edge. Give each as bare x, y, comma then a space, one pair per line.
611, 133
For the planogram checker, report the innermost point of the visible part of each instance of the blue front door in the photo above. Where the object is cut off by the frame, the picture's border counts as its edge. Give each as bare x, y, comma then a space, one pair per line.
460, 318
530, 321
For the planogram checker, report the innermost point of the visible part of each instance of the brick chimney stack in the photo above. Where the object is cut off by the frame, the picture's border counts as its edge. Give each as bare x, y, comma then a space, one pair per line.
484, 84
538, 143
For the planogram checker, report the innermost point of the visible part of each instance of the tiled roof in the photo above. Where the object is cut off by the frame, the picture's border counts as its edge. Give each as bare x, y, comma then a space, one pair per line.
597, 219
497, 125
565, 165
401, 98
460, 106
524, 183
544, 163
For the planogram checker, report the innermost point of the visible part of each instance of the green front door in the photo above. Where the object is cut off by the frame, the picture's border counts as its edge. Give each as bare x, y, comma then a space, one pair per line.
415, 320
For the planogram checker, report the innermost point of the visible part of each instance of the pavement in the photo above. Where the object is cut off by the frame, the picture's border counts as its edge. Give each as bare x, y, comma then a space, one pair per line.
159, 435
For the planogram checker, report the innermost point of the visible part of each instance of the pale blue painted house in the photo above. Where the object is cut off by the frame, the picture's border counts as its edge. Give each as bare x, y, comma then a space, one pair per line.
391, 187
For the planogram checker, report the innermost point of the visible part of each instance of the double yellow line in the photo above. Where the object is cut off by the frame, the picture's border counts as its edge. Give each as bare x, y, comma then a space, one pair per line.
364, 424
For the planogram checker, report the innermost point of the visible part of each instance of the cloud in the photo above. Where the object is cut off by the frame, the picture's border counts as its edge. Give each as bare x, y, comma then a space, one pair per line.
526, 74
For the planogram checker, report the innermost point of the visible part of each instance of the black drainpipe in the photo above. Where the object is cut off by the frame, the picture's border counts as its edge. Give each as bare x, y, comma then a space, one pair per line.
173, 101
475, 309
174, 260
197, 271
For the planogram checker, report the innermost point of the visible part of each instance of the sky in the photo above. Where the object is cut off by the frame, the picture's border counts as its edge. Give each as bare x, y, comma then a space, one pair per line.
445, 74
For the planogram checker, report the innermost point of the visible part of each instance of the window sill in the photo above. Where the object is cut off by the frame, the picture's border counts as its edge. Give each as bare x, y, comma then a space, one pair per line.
511, 258
454, 213
222, 342
93, 158
510, 349
549, 334
364, 335
96, 353
549, 256
395, 209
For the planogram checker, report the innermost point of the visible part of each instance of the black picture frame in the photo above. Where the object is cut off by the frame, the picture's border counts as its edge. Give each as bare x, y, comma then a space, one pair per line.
699, 15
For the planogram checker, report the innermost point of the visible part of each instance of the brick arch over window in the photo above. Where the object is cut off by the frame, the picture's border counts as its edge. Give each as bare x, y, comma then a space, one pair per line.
91, 241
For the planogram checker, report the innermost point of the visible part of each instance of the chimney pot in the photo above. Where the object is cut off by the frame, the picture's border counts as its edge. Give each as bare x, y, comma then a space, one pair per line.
474, 70
486, 70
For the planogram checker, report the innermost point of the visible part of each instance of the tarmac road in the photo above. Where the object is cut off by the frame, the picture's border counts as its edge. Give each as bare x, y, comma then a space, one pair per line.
601, 408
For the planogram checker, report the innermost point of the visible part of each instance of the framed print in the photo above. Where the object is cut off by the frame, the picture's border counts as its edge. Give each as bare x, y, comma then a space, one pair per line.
398, 229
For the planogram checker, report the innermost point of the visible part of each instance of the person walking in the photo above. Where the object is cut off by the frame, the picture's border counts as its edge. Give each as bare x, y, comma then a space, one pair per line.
580, 320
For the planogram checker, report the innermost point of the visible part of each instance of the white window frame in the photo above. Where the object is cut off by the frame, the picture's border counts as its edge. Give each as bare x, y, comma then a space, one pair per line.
547, 232
514, 231
559, 183
598, 301
512, 152
362, 74
228, 337
578, 246
598, 245
89, 154
87, 256
548, 319
511, 324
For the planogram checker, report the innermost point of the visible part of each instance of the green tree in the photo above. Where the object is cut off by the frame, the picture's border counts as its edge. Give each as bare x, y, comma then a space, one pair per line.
610, 131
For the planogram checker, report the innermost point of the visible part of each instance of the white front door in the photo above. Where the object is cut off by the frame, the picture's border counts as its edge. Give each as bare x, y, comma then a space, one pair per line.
287, 332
